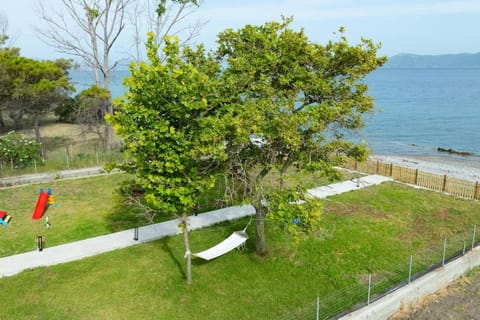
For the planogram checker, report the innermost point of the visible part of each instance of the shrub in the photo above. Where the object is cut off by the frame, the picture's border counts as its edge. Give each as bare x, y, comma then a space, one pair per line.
16, 149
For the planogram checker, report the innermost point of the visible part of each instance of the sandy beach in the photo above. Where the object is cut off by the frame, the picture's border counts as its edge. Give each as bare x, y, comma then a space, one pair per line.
466, 168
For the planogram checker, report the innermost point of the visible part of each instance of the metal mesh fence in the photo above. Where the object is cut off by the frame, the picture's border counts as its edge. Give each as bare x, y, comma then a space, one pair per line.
72, 157
340, 302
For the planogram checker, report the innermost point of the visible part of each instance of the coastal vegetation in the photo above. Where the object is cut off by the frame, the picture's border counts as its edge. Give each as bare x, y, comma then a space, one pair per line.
202, 129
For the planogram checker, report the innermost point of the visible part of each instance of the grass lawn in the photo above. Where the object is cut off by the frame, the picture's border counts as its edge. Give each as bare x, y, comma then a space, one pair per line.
84, 210
373, 230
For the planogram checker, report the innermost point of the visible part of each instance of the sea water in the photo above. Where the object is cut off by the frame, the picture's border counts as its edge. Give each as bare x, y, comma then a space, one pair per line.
420, 110
417, 110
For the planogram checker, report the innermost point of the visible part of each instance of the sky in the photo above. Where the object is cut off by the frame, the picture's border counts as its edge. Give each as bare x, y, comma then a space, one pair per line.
403, 26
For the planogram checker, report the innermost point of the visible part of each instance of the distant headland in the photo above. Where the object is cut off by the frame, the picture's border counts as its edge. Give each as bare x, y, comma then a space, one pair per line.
458, 61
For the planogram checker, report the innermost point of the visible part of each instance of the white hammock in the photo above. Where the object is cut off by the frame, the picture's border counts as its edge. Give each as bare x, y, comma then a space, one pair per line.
234, 241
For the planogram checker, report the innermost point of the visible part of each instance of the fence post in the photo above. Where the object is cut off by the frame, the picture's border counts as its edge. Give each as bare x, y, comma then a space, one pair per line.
68, 163
416, 177
410, 269
444, 187
377, 168
318, 308
391, 169
473, 236
369, 287
444, 251
475, 195
35, 165
464, 246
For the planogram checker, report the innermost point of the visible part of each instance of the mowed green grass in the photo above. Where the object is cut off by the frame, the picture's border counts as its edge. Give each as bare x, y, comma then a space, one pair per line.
372, 230
84, 209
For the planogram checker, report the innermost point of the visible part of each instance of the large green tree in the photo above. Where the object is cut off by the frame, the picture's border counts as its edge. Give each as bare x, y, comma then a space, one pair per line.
289, 101
7, 56
265, 100
33, 87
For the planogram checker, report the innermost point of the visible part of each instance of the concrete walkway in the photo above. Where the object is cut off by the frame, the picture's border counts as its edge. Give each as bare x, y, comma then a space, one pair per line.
12, 265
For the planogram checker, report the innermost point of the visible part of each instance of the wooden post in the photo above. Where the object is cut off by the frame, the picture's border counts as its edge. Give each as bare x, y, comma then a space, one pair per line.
416, 177
475, 195
378, 164
444, 187
391, 169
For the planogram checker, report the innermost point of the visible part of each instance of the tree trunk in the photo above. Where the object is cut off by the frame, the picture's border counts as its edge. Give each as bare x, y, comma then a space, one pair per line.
188, 255
36, 126
2, 123
16, 116
261, 239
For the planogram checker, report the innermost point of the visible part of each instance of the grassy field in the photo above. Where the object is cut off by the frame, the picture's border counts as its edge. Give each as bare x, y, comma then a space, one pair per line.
84, 209
372, 230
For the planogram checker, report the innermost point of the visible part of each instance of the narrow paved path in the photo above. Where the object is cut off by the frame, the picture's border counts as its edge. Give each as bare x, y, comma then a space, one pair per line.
12, 265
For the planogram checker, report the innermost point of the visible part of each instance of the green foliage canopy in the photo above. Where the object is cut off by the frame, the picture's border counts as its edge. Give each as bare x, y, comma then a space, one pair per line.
265, 100
289, 102
32, 87
163, 129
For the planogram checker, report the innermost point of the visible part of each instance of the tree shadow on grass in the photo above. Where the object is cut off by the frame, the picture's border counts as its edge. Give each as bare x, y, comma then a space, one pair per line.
121, 218
165, 245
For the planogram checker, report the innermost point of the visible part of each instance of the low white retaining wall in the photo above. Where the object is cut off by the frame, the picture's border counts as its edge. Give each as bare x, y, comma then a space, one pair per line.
49, 176
425, 285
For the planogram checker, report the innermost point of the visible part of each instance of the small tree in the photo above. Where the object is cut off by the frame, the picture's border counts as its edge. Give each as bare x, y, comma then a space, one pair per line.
37, 88
162, 122
93, 104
